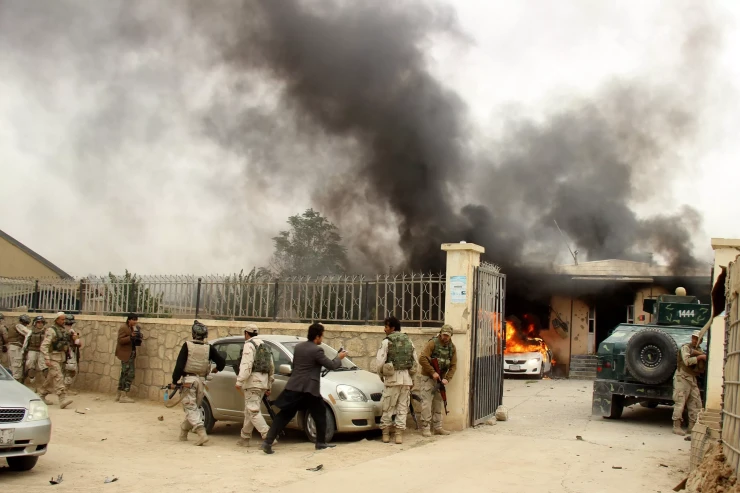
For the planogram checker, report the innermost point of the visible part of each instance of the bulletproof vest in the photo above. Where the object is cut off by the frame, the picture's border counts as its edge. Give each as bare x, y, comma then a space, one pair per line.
262, 358
691, 370
443, 354
198, 358
14, 337
400, 351
35, 339
60, 343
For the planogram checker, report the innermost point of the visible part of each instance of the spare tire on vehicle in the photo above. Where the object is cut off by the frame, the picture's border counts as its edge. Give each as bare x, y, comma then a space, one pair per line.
650, 356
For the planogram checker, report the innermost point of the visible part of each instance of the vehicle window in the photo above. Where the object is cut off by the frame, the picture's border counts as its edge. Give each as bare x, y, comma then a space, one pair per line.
230, 352
278, 356
329, 351
4, 375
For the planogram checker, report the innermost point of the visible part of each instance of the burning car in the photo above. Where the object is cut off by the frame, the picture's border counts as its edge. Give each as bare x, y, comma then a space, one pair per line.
524, 354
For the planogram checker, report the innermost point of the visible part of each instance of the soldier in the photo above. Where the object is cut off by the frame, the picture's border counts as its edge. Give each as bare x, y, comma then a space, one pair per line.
126, 353
15, 338
685, 388
54, 349
71, 369
443, 350
193, 364
256, 374
396, 363
32, 349
3, 342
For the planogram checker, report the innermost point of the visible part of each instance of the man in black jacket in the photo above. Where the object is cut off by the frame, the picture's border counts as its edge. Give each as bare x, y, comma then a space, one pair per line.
303, 388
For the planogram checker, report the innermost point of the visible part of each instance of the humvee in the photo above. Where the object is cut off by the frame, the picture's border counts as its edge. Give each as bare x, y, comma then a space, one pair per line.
636, 363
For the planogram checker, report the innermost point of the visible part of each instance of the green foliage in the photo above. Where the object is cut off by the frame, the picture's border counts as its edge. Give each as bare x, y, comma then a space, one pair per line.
128, 295
241, 295
311, 247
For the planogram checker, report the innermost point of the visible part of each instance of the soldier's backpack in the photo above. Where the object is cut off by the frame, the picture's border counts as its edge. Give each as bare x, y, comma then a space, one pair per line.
262, 358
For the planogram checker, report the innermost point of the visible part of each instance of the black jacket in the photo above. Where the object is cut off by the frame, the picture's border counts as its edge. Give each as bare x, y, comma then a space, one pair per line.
308, 359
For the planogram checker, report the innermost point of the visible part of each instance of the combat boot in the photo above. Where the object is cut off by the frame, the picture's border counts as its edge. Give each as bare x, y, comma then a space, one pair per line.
202, 436
399, 437
184, 430
118, 396
677, 428
426, 432
386, 435
64, 401
125, 399
243, 442
441, 431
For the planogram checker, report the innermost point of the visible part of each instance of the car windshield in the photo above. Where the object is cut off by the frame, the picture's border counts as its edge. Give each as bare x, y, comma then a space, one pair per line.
4, 375
329, 351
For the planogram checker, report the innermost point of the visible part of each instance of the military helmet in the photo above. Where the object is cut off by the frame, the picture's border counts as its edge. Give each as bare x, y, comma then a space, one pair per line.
25, 319
69, 319
199, 331
39, 318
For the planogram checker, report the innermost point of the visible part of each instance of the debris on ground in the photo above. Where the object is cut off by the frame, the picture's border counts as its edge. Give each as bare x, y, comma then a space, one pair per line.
110, 480
79, 412
714, 474
687, 439
502, 413
663, 465
681, 486
161, 418
317, 468
57, 480
616, 467
103, 439
491, 422
579, 437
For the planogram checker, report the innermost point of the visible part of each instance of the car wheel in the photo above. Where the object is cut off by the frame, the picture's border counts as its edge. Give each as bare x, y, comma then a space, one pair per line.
309, 425
208, 421
22, 463
617, 406
542, 371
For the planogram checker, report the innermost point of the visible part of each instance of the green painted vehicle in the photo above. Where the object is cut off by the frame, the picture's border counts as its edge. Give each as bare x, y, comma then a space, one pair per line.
636, 363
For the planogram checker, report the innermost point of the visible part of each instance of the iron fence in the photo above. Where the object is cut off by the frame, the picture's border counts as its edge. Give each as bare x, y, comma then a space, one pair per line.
413, 298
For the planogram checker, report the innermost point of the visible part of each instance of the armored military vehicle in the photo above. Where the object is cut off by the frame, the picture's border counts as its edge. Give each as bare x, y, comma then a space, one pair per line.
636, 363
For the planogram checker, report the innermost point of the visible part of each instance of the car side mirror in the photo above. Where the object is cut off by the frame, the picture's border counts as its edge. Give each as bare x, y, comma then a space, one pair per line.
285, 370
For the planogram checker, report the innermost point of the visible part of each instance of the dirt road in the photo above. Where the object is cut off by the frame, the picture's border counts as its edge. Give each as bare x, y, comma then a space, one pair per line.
536, 450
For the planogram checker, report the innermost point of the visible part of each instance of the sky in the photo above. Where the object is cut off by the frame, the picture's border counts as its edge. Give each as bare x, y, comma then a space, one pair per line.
105, 164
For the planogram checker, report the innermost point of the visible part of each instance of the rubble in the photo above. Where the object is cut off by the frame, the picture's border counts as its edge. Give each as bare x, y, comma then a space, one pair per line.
713, 475
502, 413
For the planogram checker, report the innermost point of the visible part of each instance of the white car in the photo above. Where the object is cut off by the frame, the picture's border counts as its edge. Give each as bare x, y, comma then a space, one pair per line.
531, 363
25, 428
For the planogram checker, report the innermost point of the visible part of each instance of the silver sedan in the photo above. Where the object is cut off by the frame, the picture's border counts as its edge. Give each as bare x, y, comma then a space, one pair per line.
25, 428
352, 396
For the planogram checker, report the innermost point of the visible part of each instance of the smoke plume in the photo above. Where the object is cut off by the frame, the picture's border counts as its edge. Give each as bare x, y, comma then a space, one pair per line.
263, 99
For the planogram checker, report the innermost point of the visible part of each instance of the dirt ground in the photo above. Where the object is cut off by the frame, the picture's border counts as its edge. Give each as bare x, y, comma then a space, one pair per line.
536, 450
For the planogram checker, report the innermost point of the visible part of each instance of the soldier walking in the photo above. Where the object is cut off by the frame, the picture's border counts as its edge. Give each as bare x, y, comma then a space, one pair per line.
71, 369
3, 343
126, 353
441, 349
685, 388
396, 363
192, 366
256, 374
15, 339
54, 349
32, 349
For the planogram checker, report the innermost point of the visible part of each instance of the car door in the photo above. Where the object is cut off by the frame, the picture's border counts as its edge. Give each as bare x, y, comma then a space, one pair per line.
226, 400
279, 357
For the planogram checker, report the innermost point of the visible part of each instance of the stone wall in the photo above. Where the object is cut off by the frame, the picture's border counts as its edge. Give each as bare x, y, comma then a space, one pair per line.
99, 368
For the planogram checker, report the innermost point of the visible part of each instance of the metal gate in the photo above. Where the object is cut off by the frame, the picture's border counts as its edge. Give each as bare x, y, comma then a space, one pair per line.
488, 341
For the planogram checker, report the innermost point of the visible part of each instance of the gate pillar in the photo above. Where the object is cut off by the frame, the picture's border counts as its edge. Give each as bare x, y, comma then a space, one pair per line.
462, 259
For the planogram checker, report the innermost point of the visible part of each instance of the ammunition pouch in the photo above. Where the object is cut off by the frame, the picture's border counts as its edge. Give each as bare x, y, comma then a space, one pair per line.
388, 371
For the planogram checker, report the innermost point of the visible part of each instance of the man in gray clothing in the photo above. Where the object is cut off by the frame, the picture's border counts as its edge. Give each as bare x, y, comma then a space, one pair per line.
302, 391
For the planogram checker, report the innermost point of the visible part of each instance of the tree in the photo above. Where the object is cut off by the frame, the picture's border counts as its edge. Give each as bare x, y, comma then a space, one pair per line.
127, 294
311, 247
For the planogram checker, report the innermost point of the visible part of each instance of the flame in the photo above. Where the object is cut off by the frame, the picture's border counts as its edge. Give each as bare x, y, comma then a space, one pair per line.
515, 344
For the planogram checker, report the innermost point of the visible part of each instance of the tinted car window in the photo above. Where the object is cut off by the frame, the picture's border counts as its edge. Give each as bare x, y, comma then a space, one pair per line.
329, 351
230, 352
278, 356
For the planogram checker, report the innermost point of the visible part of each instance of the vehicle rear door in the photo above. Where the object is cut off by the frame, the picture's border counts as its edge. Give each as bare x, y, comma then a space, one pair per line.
226, 400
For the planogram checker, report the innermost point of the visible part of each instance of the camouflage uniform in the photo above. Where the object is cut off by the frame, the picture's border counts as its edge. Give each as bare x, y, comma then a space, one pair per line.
685, 388
3, 344
35, 363
195, 371
15, 339
54, 351
254, 385
72, 369
432, 406
396, 366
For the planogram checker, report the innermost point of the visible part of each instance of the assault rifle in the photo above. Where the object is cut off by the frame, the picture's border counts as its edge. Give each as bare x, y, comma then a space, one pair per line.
440, 386
414, 397
268, 405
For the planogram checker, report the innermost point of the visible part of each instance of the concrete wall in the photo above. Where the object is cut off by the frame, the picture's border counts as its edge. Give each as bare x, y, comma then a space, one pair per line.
14, 262
725, 251
163, 338
574, 312
643, 294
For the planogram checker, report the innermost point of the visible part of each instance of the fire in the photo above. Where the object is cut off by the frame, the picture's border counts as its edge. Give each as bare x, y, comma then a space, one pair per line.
516, 344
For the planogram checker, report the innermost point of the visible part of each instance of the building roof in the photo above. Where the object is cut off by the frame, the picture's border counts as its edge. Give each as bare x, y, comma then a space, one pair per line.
627, 270
33, 254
